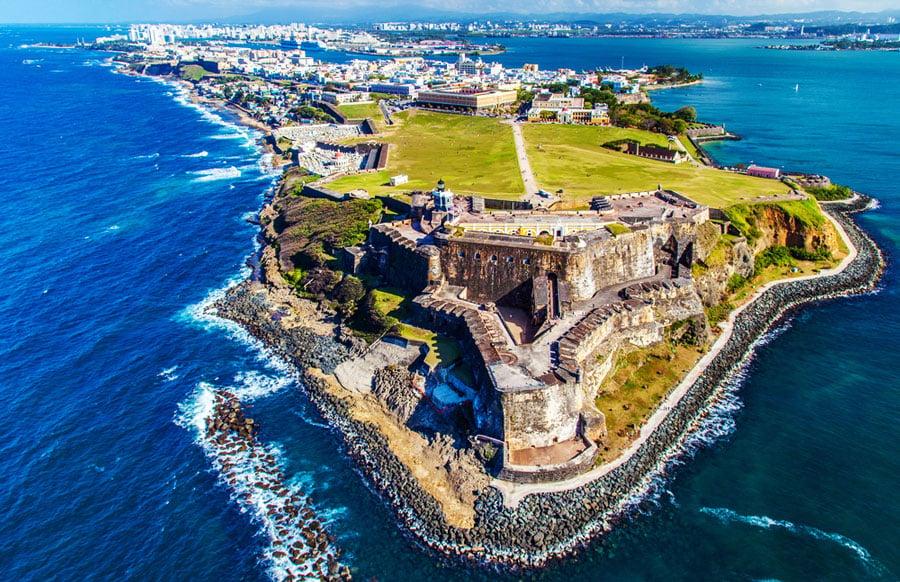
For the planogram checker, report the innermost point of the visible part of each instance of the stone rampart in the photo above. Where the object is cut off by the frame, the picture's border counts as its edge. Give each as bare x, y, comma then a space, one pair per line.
490, 270
541, 417
401, 261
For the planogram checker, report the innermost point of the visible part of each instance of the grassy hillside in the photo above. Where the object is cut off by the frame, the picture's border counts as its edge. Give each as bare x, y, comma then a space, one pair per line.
573, 158
472, 154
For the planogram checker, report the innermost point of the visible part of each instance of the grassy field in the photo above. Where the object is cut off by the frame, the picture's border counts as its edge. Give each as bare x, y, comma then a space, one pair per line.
572, 158
635, 387
361, 110
194, 72
472, 154
443, 349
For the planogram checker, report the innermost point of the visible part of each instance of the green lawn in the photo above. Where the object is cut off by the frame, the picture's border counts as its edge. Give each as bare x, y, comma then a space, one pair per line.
390, 301
472, 154
361, 111
572, 158
393, 302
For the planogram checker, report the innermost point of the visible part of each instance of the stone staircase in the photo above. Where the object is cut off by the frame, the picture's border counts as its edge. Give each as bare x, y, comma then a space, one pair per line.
564, 351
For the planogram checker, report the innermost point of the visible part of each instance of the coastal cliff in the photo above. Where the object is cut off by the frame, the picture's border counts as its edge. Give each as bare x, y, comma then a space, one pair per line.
728, 251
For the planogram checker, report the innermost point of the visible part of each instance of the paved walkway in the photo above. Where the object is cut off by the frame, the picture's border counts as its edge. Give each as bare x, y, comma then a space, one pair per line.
531, 185
513, 493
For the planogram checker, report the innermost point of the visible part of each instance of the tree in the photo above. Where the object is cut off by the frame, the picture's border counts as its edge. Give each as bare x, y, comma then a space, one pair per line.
370, 319
349, 290
687, 113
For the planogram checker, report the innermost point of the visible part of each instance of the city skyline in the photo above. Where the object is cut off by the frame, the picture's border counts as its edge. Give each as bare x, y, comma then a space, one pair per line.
106, 11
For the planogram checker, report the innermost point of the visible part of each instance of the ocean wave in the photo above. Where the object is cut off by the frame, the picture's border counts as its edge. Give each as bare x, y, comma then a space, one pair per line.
228, 135
213, 174
168, 374
202, 154
761, 521
253, 385
182, 96
152, 156
297, 546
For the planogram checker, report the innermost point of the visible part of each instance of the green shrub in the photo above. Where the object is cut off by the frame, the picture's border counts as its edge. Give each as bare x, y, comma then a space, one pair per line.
736, 282
349, 290
718, 313
833, 192
774, 256
370, 320
820, 254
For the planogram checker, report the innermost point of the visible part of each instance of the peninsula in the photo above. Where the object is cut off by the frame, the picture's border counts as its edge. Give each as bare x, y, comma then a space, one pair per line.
513, 292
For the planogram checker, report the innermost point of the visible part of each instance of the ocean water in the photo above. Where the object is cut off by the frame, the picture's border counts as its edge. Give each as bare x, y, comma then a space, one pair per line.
124, 210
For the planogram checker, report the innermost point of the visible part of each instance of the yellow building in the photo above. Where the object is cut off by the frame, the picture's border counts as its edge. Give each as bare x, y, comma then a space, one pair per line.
467, 98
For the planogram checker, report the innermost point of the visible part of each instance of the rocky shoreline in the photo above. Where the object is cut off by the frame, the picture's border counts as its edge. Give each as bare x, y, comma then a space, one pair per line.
543, 526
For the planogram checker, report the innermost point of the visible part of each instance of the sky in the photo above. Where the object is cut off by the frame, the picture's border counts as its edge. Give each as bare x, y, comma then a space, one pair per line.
52, 11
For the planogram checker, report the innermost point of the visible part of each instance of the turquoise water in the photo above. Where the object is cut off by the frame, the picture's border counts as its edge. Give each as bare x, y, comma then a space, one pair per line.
123, 210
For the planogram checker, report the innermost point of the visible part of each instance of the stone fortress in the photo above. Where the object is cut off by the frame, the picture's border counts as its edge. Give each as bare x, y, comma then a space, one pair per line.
545, 300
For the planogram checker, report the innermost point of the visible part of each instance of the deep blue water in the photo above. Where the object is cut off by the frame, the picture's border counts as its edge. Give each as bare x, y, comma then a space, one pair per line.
112, 237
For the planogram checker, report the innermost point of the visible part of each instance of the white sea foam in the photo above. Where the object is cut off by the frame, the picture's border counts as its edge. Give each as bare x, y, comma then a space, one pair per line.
761, 521
168, 374
152, 156
252, 470
252, 385
182, 96
227, 135
213, 174
202, 154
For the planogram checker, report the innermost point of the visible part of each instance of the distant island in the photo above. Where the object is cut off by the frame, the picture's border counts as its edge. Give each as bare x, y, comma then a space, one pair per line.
841, 45
514, 292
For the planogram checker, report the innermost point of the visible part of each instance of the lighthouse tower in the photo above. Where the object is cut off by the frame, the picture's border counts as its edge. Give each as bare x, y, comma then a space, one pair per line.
443, 198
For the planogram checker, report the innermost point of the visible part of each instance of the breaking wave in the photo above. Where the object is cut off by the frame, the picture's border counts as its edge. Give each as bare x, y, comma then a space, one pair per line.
297, 545
202, 154
213, 174
761, 521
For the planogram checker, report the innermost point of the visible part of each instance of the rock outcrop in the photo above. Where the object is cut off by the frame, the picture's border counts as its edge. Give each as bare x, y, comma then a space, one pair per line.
393, 386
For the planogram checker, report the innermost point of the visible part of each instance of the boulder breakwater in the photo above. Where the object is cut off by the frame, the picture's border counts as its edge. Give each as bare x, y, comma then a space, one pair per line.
551, 525
298, 545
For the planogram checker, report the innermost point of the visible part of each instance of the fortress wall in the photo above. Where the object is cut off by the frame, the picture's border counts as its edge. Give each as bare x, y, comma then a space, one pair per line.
602, 263
402, 263
672, 301
541, 417
621, 325
468, 263
608, 262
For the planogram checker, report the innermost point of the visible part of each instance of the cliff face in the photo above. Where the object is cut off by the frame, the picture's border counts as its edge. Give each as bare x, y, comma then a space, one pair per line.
721, 256
727, 258
778, 227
